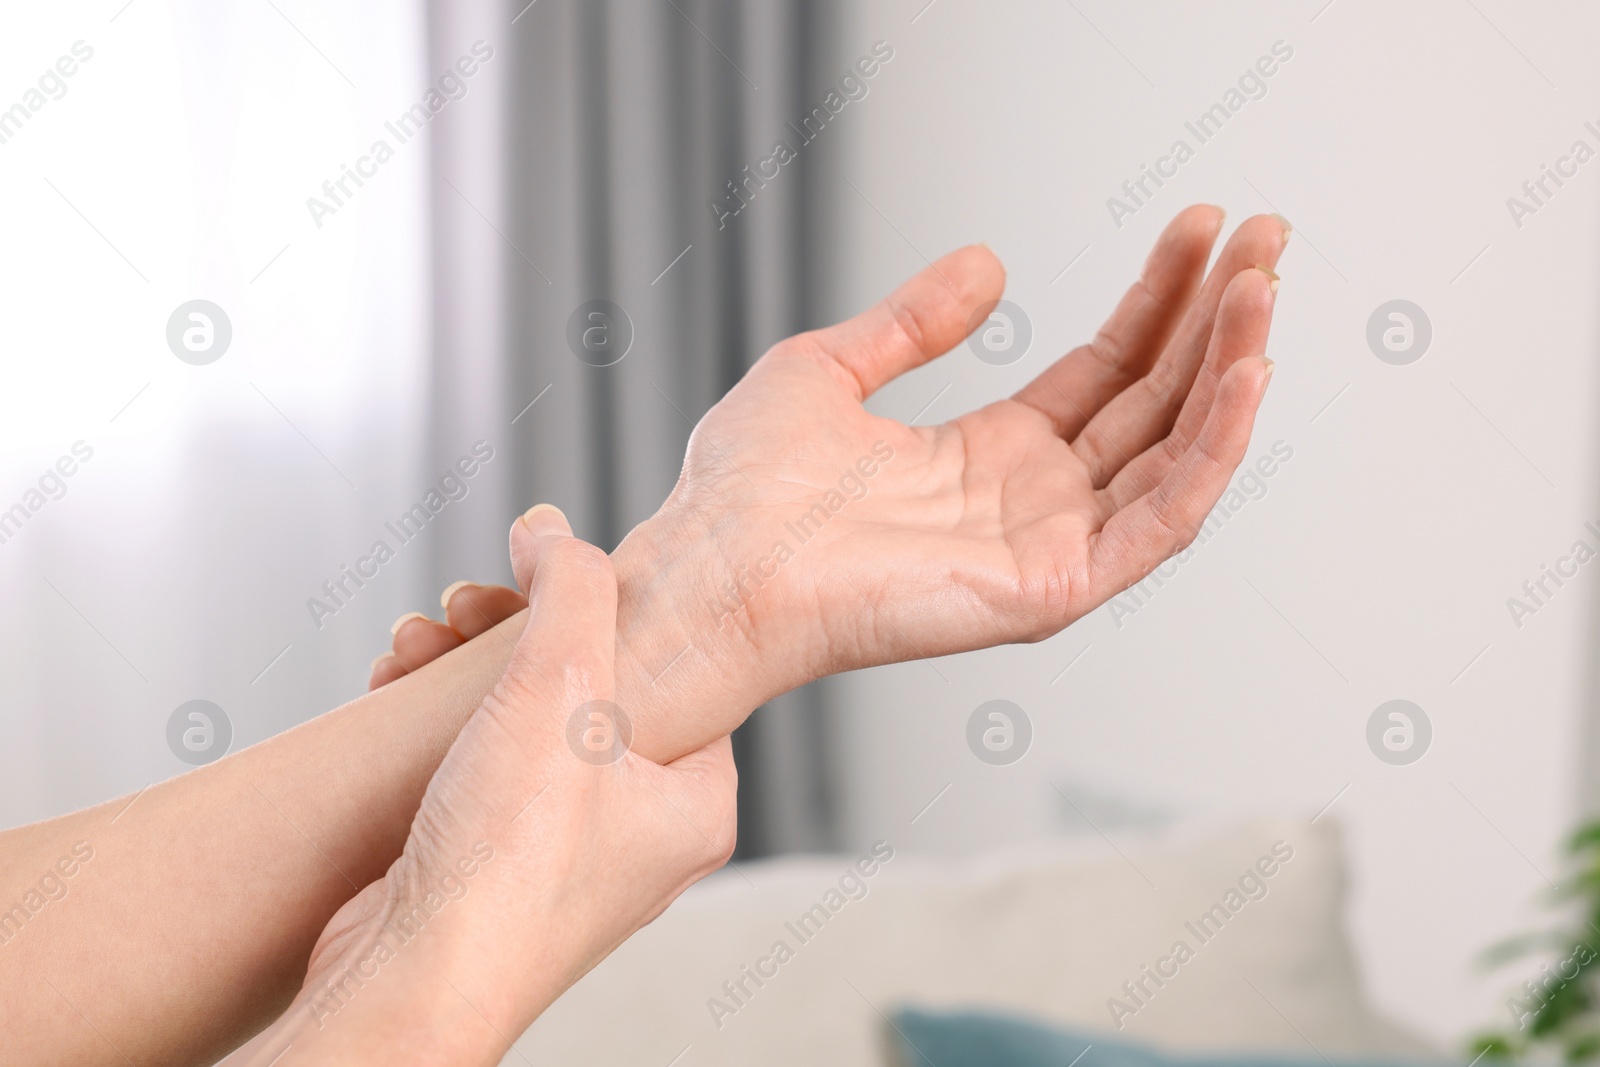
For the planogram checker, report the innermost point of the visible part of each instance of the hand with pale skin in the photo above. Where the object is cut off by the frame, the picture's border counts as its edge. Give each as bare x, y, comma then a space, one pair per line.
1002, 525
470, 609
526, 864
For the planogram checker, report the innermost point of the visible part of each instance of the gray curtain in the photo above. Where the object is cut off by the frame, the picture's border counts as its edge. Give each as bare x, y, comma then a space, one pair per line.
584, 169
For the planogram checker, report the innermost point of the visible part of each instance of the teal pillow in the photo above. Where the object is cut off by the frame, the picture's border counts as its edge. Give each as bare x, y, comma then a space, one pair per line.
980, 1039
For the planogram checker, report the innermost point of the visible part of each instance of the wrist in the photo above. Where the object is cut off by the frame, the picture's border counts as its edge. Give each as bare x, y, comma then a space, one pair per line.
405, 993
386, 1008
401, 1023
694, 658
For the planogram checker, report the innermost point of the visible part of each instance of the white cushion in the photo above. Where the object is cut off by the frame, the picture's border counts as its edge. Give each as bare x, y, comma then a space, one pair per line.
1050, 934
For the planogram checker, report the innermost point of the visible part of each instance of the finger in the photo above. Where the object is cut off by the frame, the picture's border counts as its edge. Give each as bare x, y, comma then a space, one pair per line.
1162, 522
472, 609
539, 521
1080, 383
1258, 241
419, 640
565, 653
922, 320
385, 669
1242, 330
1156, 409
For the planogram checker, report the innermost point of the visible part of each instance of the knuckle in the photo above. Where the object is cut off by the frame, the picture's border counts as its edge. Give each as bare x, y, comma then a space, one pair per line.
521, 687
1107, 349
798, 346
908, 320
1109, 344
564, 677
1095, 448
1162, 381
1161, 511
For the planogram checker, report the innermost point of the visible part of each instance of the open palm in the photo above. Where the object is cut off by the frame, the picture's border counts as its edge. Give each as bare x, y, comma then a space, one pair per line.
847, 539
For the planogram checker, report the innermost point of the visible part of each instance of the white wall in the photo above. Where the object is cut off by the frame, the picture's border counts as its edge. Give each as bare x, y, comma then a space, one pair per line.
1413, 507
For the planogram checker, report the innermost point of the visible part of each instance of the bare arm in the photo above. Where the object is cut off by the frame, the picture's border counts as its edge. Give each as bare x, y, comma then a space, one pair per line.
204, 894
527, 862
806, 536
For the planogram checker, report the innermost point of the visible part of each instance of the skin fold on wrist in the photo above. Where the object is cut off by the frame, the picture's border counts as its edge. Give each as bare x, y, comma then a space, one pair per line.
687, 670
392, 965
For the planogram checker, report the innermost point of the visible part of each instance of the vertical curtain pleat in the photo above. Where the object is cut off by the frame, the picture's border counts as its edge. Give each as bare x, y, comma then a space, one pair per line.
618, 123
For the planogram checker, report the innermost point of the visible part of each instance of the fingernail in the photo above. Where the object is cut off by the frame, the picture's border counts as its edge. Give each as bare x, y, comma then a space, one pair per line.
1222, 216
546, 519
1287, 229
377, 661
1272, 276
450, 591
1270, 364
402, 620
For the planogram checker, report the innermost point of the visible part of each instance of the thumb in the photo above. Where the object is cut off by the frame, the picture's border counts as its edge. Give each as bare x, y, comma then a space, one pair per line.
920, 321
540, 521
565, 654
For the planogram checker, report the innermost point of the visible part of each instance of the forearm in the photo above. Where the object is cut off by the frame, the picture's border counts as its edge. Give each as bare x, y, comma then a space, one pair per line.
385, 998
206, 893
499, 904
390, 990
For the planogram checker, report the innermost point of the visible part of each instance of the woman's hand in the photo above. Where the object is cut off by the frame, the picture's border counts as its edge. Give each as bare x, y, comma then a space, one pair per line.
807, 536
1000, 526
470, 609
542, 843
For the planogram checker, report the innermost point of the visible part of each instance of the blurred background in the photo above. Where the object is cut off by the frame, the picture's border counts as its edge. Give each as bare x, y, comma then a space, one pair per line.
395, 213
